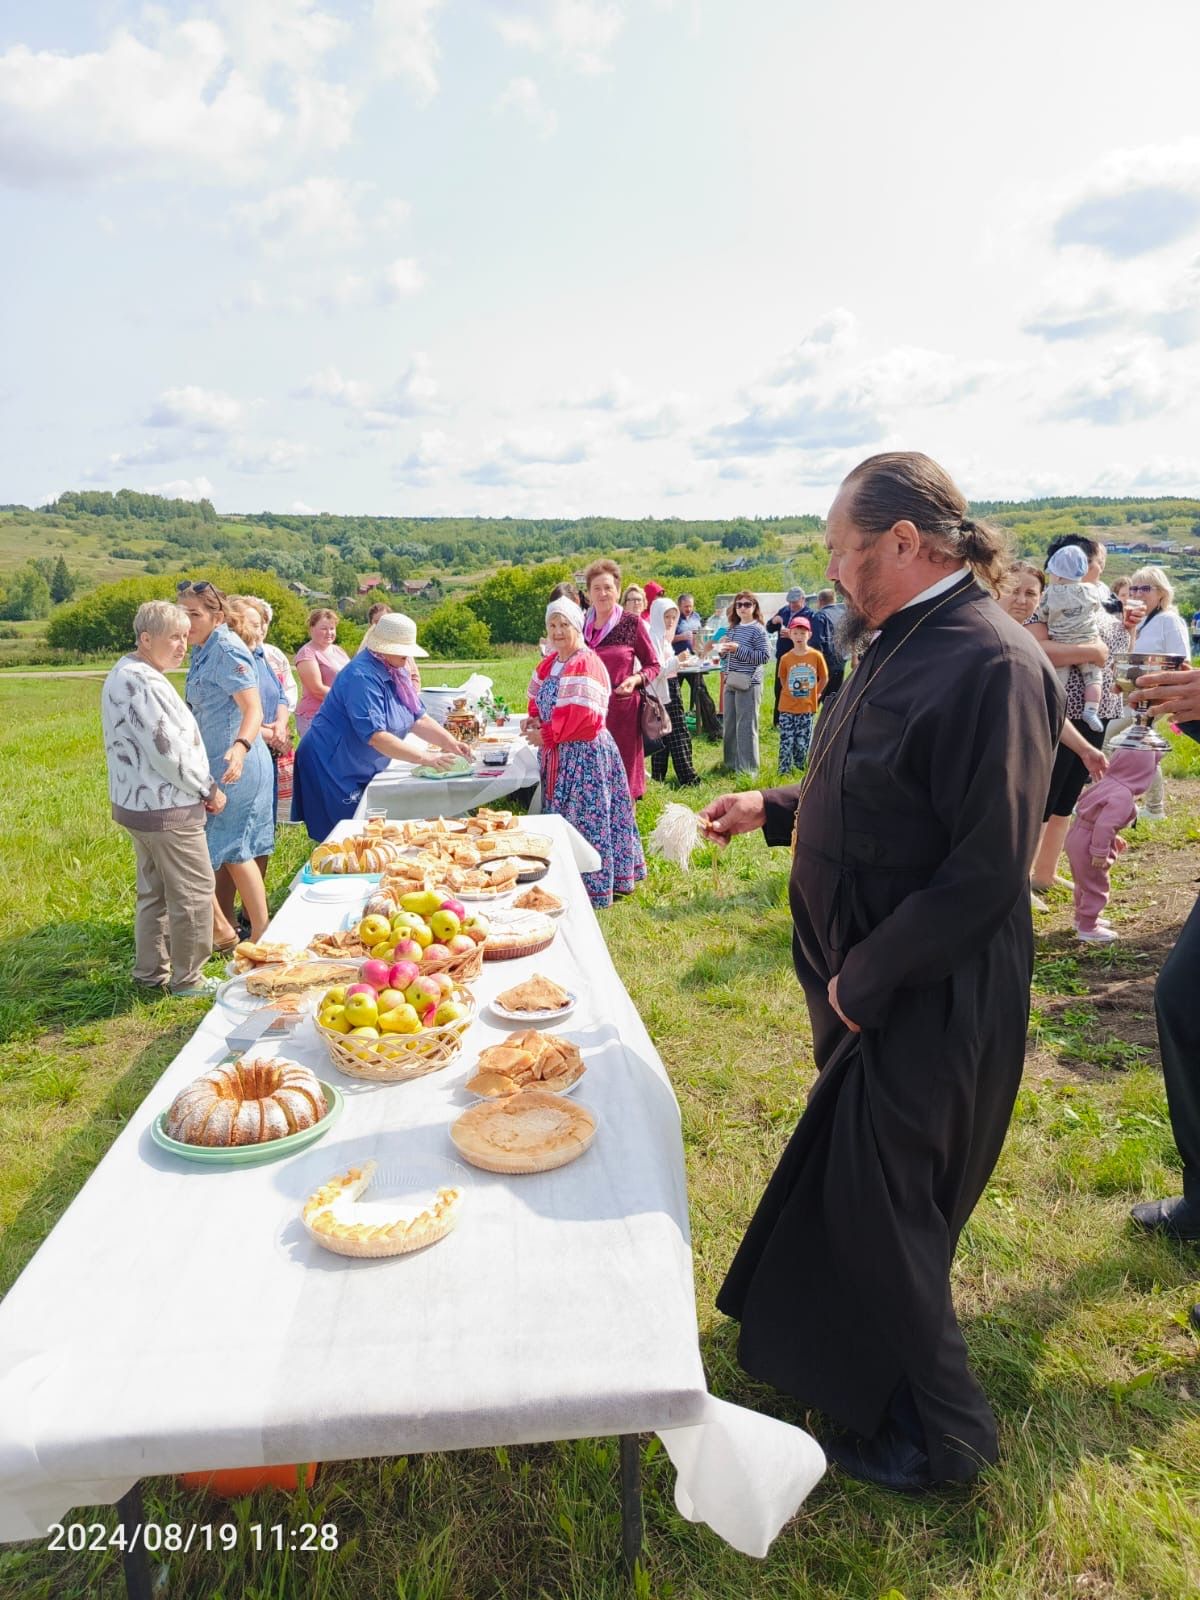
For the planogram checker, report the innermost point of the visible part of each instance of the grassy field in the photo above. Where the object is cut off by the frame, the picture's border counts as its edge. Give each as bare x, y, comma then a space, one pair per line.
1077, 1328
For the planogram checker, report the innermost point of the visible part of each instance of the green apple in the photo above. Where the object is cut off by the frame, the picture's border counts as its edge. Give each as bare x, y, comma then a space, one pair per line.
444, 925
362, 1011
449, 1011
373, 930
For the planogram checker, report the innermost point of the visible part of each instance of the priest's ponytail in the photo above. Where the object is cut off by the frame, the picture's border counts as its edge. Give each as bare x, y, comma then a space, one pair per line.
906, 486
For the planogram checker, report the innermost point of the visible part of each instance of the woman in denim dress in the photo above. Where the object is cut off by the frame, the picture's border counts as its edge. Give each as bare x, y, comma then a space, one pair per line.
222, 692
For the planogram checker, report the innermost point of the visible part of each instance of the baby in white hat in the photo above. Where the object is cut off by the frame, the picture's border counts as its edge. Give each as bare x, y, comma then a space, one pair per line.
1071, 610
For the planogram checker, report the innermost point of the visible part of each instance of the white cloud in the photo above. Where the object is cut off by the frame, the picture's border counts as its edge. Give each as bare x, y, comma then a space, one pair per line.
434, 453
1158, 475
911, 376
581, 33
371, 406
657, 421
1092, 297
289, 33
523, 97
176, 104
618, 394
1132, 383
405, 43
299, 509
182, 489
201, 410
155, 453
322, 211
527, 456
1131, 202
399, 280
834, 335
268, 455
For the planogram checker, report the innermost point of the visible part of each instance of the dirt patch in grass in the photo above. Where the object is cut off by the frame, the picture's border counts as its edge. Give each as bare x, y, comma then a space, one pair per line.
1093, 1007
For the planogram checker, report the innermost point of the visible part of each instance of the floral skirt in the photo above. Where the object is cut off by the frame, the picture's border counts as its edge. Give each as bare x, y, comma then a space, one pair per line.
592, 792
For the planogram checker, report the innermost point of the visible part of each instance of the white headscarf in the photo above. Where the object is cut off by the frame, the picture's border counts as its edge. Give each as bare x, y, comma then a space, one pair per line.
658, 628
562, 607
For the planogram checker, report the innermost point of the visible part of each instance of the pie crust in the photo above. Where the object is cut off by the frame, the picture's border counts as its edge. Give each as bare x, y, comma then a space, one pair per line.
533, 1131
329, 1216
527, 1060
521, 935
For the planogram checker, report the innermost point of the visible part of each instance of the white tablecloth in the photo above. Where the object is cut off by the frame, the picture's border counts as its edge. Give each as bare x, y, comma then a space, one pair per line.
404, 797
178, 1318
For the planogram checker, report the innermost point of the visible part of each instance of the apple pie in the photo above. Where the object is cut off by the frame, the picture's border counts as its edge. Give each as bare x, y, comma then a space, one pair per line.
532, 1131
335, 1219
518, 933
527, 1059
535, 994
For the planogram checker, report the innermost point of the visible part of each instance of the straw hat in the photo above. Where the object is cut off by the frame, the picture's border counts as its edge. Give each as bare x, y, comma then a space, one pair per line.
394, 635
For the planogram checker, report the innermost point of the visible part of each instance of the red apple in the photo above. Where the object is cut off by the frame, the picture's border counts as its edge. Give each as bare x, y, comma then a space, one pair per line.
436, 952
460, 944
402, 973
428, 1015
407, 950
376, 973
459, 910
361, 988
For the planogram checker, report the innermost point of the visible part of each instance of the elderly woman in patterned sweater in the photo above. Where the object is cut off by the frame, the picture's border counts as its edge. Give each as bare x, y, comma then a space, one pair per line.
161, 790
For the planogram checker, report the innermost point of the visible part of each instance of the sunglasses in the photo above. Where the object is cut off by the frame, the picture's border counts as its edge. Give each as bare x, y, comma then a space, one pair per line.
196, 588
744, 605
1141, 588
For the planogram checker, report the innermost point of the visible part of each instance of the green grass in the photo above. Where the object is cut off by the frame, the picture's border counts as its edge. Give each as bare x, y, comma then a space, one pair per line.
1077, 1328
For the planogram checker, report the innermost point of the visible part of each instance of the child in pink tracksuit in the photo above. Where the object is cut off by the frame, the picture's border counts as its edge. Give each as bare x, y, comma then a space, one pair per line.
1093, 843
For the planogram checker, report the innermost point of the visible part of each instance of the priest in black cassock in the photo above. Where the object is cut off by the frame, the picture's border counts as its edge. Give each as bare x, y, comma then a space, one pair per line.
911, 837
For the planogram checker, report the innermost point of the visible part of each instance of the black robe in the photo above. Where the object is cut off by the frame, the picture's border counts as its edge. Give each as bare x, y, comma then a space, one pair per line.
910, 880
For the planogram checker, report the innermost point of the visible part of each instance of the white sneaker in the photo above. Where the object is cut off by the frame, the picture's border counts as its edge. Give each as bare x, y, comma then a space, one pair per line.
1097, 935
203, 986
1146, 815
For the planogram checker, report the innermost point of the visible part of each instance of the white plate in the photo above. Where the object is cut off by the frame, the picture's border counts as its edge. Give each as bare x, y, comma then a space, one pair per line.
570, 1089
519, 1018
337, 891
234, 994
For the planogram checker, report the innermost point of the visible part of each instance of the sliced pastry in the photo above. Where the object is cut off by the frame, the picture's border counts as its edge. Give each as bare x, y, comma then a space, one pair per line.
535, 994
298, 977
535, 898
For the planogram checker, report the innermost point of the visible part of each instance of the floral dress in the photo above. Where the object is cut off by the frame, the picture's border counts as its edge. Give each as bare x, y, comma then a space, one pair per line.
583, 777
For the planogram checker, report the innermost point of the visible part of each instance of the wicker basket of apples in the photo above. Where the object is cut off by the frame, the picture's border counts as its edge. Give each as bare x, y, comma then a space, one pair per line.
432, 929
396, 1023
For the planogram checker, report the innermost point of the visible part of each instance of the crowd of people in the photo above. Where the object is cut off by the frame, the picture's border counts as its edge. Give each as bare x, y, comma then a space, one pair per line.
974, 738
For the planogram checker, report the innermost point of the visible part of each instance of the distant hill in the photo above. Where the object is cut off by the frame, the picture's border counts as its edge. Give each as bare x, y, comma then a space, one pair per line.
104, 537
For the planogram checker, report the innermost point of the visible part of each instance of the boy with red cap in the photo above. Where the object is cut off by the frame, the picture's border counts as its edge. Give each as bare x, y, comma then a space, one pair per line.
803, 675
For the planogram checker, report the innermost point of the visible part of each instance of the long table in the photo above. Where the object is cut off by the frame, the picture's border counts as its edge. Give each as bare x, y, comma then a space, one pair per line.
178, 1318
403, 797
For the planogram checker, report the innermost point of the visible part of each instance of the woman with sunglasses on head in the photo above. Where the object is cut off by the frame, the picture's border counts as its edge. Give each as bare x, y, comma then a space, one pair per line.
1161, 631
222, 691
744, 651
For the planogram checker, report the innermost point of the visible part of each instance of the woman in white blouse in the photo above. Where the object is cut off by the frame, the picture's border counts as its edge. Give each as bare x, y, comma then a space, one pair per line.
1161, 631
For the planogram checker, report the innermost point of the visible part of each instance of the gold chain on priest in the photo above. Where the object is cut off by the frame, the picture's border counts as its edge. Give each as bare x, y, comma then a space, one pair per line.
827, 744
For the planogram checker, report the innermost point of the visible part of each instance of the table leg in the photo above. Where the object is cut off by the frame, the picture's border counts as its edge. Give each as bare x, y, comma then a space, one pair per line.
631, 1500
138, 1583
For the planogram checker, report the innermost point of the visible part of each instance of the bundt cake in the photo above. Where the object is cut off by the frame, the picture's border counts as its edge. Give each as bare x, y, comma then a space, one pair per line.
246, 1102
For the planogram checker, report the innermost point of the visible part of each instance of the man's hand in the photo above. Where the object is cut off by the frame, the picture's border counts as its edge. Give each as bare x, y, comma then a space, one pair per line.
833, 1001
215, 803
1174, 694
732, 813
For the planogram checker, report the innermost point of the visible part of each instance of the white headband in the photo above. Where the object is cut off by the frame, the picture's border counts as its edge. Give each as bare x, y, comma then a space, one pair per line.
562, 607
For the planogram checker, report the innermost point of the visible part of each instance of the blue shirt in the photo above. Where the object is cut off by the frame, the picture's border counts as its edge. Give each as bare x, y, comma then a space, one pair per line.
220, 668
269, 691
335, 760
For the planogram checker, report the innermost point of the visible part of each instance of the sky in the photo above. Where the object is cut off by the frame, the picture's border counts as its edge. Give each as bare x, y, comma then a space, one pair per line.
672, 258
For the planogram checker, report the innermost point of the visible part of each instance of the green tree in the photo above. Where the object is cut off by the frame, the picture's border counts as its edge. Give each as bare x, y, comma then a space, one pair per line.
452, 629
62, 584
27, 596
102, 621
513, 601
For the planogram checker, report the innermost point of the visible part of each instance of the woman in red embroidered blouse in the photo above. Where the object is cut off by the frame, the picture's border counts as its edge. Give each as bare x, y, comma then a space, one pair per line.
623, 643
583, 778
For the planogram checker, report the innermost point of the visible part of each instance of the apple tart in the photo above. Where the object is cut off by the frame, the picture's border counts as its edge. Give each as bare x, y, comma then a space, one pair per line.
335, 1218
532, 1131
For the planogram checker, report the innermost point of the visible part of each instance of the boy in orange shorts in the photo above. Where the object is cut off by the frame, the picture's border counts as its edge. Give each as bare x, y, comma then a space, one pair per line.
802, 678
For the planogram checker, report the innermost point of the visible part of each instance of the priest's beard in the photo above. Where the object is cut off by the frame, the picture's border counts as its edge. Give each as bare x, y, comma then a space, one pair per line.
865, 610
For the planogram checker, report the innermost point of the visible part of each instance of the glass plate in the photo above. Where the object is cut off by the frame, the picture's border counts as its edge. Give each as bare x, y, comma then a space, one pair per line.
249, 1155
234, 994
